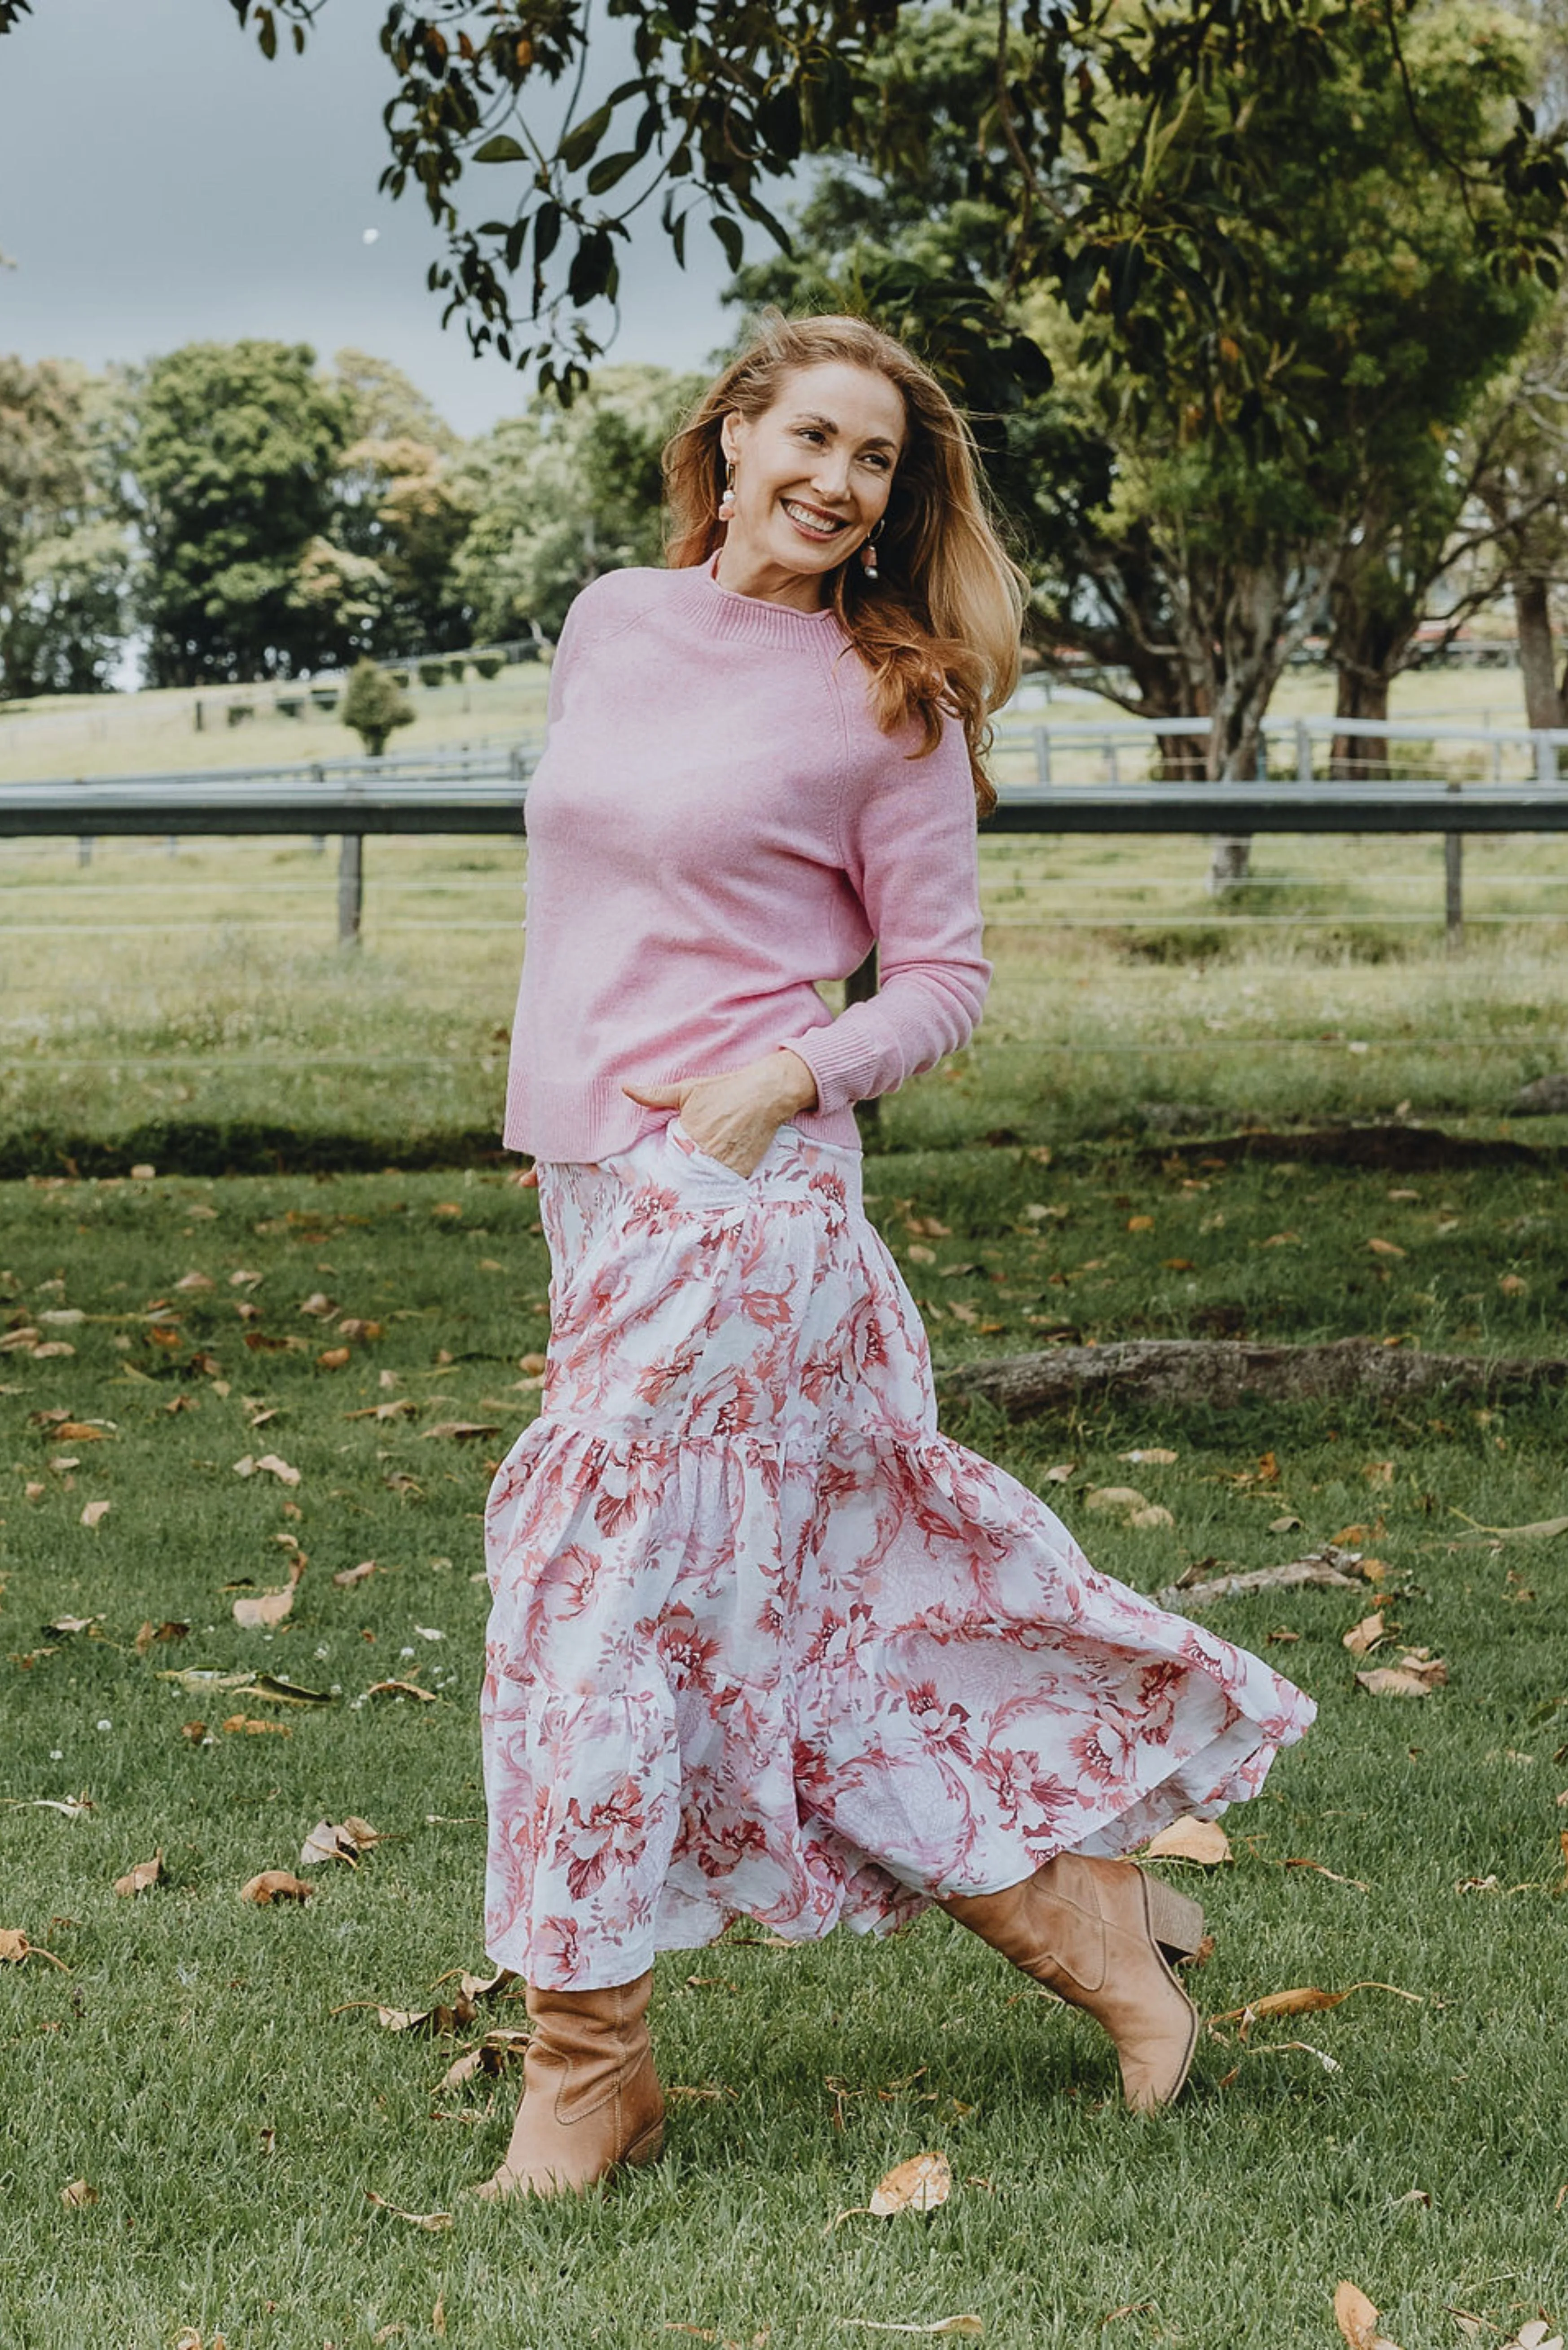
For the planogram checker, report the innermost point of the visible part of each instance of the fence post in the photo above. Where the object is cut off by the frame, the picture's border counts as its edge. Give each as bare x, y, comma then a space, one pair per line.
859, 988
1041, 754
1545, 757
1454, 889
84, 848
350, 888
1303, 751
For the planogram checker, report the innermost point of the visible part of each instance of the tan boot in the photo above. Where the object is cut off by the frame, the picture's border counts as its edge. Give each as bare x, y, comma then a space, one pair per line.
591, 2100
1097, 1932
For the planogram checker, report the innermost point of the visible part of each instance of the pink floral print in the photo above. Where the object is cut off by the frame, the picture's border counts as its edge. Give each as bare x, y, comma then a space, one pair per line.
763, 1642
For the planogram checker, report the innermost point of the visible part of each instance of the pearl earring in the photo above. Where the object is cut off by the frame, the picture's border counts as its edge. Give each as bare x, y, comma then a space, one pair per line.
868, 553
727, 503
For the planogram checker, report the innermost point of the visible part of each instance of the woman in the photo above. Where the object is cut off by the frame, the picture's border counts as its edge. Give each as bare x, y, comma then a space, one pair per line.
763, 1643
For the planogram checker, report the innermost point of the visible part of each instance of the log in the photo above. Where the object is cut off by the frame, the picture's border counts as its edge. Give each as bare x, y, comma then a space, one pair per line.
1223, 1372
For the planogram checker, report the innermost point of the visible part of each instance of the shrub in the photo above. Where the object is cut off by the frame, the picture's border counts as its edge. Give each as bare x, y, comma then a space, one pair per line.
373, 704
432, 672
489, 664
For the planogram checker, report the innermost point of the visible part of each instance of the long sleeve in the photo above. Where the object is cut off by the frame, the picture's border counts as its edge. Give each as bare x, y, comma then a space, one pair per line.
910, 853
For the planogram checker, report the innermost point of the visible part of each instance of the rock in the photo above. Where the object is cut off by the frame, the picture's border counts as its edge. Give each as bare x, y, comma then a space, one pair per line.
1545, 1098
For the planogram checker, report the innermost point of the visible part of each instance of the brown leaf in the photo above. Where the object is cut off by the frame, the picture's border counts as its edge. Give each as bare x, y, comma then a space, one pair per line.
317, 1305
78, 2195
353, 1326
494, 2053
1417, 1674
1364, 1635
16, 1949
1304, 2001
95, 1513
275, 1885
267, 1608
1331, 1568
1540, 1530
1204, 1841
1379, 1472
1386, 1248
238, 1724
335, 1358
534, 1365
401, 1688
462, 1430
1114, 1497
1155, 1456
1357, 2320
139, 1880
196, 1281
151, 1634
345, 1841
433, 2222
66, 1625
348, 1575
922, 2184
80, 1431
967, 2323
1061, 1474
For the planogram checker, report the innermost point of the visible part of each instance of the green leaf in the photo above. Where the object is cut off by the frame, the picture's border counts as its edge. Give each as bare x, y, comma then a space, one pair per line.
728, 233
501, 149
610, 168
579, 145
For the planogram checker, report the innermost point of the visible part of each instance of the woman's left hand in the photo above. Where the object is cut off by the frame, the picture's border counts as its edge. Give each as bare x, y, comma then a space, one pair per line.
734, 1115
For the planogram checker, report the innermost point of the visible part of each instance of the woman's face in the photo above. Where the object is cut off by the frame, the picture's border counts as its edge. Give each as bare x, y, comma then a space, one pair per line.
813, 472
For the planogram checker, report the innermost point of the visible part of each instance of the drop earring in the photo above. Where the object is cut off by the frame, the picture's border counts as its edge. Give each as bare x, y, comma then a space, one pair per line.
868, 553
727, 503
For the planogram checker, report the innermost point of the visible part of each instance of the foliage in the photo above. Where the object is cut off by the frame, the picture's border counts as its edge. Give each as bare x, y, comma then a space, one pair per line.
399, 517
65, 558
373, 705
557, 497
232, 461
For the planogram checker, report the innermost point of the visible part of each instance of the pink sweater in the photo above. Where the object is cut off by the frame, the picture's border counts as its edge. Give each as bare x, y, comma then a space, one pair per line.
716, 824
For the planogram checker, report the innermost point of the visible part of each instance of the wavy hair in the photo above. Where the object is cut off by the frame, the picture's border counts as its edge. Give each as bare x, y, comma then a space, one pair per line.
939, 631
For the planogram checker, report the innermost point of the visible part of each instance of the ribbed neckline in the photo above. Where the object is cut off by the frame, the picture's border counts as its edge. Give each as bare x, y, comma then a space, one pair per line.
723, 611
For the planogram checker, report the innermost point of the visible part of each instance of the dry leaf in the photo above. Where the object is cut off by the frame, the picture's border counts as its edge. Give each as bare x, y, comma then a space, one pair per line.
462, 1430
1285, 1525
81, 1432
1157, 1456
534, 1365
139, 1879
1204, 1841
1536, 2335
267, 1608
1357, 2320
95, 1513
432, 2222
238, 1724
318, 1304
1386, 1248
1304, 2001
196, 1281
495, 2052
66, 1625
348, 1575
1061, 1473
922, 2184
15, 1948
1417, 1674
354, 1326
401, 1688
1510, 1284
1539, 1530
1114, 1497
275, 1885
1152, 1515
345, 1841
1364, 1635
334, 1358
152, 1634
1329, 1568
78, 2195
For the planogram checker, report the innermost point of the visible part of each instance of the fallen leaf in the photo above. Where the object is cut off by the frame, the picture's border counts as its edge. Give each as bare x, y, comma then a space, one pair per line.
432, 2222
1157, 1456
1153, 1513
1140, 1223
348, 1575
1331, 1568
80, 1431
196, 1281
462, 1430
65, 1625
53, 1348
139, 1880
494, 2053
240, 1725
1539, 1530
1533, 2335
1333, 1876
922, 2184
353, 1326
1307, 2001
78, 2195
275, 1885
267, 1608
345, 1841
1114, 1497
1379, 1472
318, 1304
151, 1634
535, 1364
1285, 1526
1204, 1841
1417, 1674
1357, 2320
1061, 1473
969, 2324
334, 1358
394, 1410
16, 1949
1386, 1248
401, 1688
1364, 1635
1510, 1284
95, 1513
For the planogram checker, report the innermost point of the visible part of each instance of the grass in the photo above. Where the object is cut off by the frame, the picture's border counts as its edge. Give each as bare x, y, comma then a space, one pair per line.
200, 2065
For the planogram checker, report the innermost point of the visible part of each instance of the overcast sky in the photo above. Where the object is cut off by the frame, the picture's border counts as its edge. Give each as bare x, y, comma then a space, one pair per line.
160, 183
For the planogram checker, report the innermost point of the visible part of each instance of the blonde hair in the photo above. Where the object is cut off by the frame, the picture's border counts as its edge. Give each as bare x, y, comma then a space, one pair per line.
940, 630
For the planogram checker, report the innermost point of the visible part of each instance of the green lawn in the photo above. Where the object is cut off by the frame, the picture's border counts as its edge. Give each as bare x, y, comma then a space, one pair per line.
204, 2067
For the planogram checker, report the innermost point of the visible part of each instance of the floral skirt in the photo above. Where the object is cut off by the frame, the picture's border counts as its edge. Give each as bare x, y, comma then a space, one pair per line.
763, 1643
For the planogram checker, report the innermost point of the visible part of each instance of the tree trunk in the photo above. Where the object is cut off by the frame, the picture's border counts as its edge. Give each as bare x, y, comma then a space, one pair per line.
1360, 758
1532, 617
1218, 1373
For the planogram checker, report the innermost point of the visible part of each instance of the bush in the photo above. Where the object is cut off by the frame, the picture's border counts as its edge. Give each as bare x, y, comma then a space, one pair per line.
432, 672
489, 664
373, 704
459, 671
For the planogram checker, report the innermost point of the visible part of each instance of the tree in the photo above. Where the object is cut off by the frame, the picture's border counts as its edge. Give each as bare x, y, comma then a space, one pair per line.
557, 497
232, 461
373, 704
65, 557
1520, 471
400, 514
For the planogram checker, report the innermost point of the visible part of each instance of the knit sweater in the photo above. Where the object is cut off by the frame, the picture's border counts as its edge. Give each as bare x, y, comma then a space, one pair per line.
716, 824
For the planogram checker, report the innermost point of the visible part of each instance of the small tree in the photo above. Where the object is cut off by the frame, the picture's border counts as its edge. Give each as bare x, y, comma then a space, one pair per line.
373, 704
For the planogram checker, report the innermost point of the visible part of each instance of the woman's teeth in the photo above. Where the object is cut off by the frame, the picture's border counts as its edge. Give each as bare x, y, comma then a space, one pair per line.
812, 522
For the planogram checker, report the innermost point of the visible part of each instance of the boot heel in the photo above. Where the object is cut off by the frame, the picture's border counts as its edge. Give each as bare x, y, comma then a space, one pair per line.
647, 2148
1175, 1922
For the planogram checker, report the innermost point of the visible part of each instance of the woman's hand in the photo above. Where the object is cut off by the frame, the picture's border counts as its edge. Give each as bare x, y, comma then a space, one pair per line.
734, 1116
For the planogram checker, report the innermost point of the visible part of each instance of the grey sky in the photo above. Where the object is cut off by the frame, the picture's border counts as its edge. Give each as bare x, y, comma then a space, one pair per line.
160, 183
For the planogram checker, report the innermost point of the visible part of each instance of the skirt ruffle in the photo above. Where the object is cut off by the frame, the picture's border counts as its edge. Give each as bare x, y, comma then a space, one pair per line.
764, 1643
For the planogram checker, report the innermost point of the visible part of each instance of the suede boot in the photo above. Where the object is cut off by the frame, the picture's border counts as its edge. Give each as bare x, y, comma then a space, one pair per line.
1097, 1932
591, 2100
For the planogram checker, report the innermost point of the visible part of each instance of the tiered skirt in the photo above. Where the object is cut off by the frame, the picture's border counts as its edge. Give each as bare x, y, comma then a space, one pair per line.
765, 1644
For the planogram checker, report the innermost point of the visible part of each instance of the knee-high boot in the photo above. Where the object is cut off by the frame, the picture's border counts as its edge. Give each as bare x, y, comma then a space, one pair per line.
1097, 1932
591, 2099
